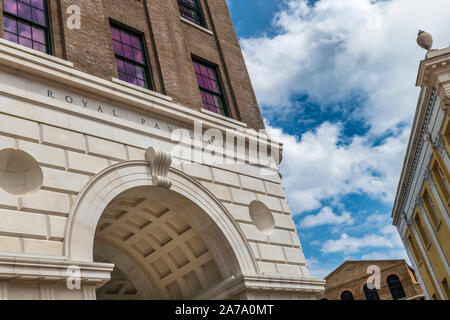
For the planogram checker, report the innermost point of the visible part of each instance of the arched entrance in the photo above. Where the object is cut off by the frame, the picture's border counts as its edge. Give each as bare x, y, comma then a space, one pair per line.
178, 243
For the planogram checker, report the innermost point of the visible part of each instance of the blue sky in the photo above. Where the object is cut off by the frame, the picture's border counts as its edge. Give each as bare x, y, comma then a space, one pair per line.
335, 82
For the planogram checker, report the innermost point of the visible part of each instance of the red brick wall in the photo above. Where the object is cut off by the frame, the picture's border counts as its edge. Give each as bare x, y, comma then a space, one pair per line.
170, 45
352, 276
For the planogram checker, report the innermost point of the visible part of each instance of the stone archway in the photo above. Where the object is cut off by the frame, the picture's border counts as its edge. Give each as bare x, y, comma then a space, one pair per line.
183, 241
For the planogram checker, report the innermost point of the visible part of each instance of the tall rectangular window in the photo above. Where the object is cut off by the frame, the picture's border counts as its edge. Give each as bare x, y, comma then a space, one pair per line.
25, 22
422, 233
130, 57
191, 10
210, 89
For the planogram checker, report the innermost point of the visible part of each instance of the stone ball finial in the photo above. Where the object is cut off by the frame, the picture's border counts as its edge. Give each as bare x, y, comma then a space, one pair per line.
425, 40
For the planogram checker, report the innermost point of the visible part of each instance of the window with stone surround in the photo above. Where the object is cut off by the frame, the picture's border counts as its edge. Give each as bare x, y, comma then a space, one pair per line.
26, 22
191, 10
210, 88
131, 60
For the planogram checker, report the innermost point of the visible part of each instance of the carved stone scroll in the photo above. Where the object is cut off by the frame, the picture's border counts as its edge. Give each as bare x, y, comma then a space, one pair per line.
160, 162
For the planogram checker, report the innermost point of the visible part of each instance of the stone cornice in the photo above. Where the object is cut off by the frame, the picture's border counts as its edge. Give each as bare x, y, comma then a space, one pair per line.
30, 269
247, 283
434, 69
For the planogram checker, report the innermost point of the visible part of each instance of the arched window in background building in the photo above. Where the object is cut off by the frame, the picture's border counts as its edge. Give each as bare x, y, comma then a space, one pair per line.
395, 286
371, 294
347, 295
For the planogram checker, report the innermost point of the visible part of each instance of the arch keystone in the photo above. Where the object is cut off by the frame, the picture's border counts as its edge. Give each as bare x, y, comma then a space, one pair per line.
160, 162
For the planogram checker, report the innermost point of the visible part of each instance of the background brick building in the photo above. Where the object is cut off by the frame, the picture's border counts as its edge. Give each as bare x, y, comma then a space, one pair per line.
347, 282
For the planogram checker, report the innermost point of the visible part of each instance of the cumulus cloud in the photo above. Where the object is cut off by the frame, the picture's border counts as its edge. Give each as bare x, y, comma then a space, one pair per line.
326, 216
317, 166
337, 48
387, 237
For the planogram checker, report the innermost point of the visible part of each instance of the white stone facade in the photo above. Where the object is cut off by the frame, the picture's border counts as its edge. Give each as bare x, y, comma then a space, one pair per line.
101, 211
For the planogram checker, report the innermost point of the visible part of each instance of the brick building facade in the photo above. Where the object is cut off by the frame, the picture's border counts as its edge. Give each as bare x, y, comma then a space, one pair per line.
348, 281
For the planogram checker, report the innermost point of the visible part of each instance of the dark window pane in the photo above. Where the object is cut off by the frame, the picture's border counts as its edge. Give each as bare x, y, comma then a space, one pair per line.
38, 16
396, 287
140, 73
115, 34
129, 69
38, 35
24, 11
131, 79
138, 56
128, 52
120, 66
122, 76
38, 46
24, 30
118, 48
135, 42
11, 37
125, 37
26, 42
11, 6
10, 24
38, 4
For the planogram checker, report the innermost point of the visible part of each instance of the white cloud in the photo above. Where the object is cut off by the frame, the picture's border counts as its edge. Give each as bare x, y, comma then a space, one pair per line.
339, 47
318, 269
316, 166
387, 237
326, 216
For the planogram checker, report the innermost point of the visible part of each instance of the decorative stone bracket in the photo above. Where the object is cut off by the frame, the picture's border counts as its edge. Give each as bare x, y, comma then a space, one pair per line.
160, 162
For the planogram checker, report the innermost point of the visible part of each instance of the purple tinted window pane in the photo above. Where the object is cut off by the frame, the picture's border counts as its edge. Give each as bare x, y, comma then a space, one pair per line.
196, 68
10, 24
11, 6
39, 47
38, 4
138, 56
24, 30
26, 1
26, 42
214, 87
203, 70
24, 11
131, 79
135, 42
139, 73
10, 37
141, 83
115, 33
117, 48
38, 35
120, 65
207, 84
38, 16
200, 81
122, 76
129, 69
128, 52
211, 74
125, 37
